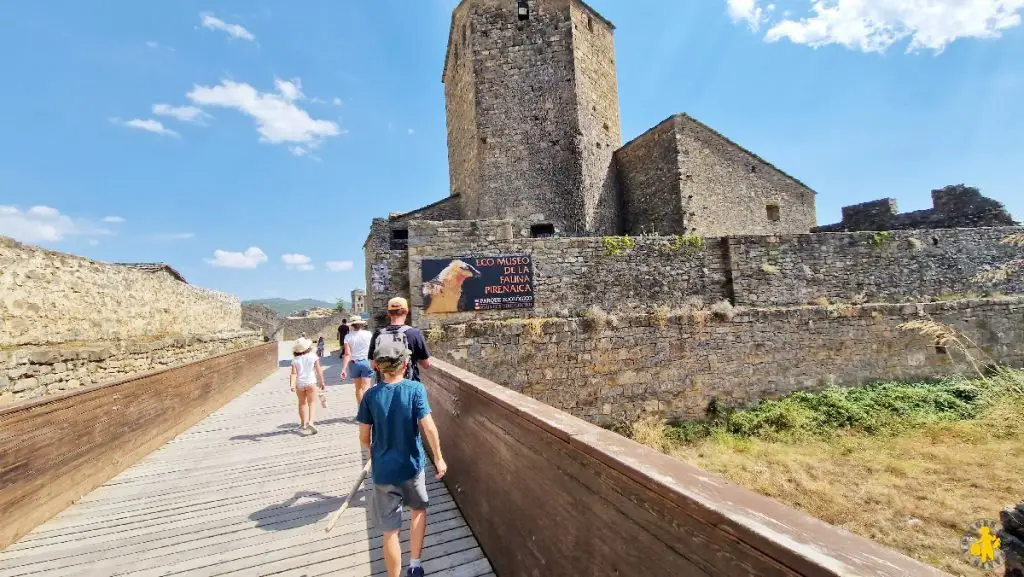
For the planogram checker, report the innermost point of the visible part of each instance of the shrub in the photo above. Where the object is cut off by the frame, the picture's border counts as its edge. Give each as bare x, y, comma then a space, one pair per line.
435, 334
880, 239
659, 315
617, 245
690, 243
769, 269
723, 310
594, 318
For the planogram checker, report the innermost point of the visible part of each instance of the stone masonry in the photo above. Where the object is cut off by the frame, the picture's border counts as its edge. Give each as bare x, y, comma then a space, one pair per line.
571, 274
35, 371
682, 177
952, 207
674, 365
53, 297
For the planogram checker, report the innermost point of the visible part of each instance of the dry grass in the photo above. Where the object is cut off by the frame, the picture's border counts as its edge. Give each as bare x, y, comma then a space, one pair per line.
915, 490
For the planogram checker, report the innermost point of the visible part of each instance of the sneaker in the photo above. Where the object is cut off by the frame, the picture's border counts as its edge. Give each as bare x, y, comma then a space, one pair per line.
415, 572
311, 429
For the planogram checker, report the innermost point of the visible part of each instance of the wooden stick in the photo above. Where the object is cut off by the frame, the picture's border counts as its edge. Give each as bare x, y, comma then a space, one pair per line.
352, 493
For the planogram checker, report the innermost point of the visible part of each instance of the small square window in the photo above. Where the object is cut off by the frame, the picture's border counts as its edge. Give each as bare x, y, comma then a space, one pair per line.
524, 10
774, 215
542, 230
399, 239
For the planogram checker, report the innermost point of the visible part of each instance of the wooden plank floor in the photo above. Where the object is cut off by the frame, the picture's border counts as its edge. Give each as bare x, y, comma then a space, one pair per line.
242, 493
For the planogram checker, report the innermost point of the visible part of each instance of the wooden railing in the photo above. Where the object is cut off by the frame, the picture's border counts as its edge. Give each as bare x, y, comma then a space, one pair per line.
56, 449
548, 494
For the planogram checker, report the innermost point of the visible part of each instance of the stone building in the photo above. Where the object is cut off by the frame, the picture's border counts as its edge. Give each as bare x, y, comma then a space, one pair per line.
534, 136
358, 301
669, 273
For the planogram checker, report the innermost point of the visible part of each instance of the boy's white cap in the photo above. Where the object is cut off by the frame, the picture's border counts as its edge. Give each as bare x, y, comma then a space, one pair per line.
302, 345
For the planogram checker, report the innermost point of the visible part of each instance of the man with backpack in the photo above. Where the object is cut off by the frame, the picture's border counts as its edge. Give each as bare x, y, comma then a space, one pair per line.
397, 330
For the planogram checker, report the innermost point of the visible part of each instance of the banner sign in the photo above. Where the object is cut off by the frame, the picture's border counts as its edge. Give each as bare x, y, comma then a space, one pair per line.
486, 283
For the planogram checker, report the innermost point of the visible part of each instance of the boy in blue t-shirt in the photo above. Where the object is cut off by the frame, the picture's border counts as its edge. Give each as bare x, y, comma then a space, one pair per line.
394, 411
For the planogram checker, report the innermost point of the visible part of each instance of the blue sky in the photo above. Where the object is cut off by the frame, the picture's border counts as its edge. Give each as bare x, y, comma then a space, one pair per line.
274, 133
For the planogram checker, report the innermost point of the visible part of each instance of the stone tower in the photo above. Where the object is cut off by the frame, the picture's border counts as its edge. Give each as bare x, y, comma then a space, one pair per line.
533, 114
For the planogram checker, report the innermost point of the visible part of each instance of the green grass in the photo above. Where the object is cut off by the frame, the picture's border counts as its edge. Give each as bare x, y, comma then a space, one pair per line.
887, 408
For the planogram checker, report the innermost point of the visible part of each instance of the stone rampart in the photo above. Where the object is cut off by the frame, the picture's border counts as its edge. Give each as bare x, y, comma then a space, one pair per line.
37, 371
50, 297
897, 266
675, 364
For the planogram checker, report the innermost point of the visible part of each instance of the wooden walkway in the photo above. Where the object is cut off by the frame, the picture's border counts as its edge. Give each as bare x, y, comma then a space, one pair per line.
242, 493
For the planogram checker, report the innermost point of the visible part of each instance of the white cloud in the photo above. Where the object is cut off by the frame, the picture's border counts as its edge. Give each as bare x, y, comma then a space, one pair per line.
411, 132
875, 25
251, 258
234, 30
290, 89
168, 236
337, 101
113, 219
149, 125
339, 265
278, 119
44, 224
747, 11
297, 262
153, 44
191, 114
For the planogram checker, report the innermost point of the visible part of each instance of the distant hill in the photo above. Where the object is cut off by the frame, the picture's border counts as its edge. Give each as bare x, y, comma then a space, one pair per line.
285, 307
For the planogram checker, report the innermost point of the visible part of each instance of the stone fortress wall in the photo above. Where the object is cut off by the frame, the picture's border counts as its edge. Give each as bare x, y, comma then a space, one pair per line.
49, 297
953, 206
673, 322
677, 365
573, 273
68, 322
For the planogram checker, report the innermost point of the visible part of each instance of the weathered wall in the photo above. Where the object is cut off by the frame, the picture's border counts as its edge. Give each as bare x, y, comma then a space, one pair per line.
260, 318
53, 297
464, 143
32, 372
292, 329
727, 189
547, 494
674, 366
649, 174
955, 206
387, 271
859, 267
597, 107
571, 274
683, 177
57, 449
446, 209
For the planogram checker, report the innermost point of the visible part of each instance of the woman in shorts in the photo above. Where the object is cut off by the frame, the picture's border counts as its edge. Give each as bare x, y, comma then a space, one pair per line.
355, 362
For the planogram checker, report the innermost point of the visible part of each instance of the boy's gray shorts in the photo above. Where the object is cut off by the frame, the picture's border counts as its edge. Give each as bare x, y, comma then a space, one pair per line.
387, 501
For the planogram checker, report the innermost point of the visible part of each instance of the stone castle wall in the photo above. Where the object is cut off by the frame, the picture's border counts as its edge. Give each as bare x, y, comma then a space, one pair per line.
36, 371
683, 177
954, 206
859, 267
675, 366
53, 297
649, 176
597, 106
571, 274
